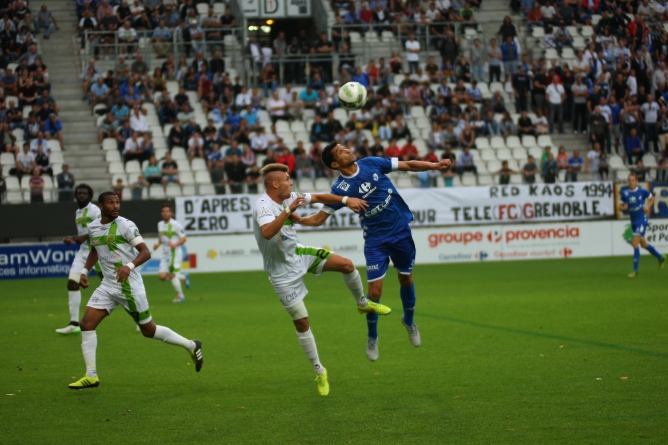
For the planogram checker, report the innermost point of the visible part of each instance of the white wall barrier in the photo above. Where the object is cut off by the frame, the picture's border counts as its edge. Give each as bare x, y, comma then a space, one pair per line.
436, 245
222, 214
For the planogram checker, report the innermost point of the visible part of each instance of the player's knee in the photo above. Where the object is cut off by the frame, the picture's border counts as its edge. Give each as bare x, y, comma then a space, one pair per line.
301, 325
72, 285
405, 280
86, 325
348, 266
147, 330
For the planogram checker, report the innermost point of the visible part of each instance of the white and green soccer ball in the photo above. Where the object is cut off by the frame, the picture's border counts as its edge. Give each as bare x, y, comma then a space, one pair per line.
352, 96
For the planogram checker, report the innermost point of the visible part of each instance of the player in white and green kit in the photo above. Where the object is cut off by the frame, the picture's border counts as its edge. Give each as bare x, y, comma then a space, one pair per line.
171, 236
115, 242
286, 261
87, 213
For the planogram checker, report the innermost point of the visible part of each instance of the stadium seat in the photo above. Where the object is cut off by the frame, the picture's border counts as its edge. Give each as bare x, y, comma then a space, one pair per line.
469, 180
579, 42
616, 162
649, 160
567, 53
417, 112
186, 178
116, 167
519, 153
587, 31
516, 179
298, 126
398, 79
112, 156
188, 190
156, 192
544, 140
422, 122
504, 154
482, 142
487, 154
322, 185
12, 183
202, 177
497, 142
486, 179
25, 182
198, 164
513, 142
160, 153
179, 153
167, 129
538, 32
284, 127
420, 145
132, 168
116, 176
109, 144
11, 98
302, 136
551, 54
387, 36
405, 181
529, 141
496, 86
7, 159
206, 189
173, 191
493, 166
536, 152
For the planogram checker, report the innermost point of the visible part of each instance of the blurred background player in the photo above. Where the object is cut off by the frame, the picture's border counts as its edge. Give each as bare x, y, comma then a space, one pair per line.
172, 237
286, 261
87, 213
115, 242
638, 202
387, 234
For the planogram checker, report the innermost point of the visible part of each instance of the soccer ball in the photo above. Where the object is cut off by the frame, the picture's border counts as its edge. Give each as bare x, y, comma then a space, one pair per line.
352, 96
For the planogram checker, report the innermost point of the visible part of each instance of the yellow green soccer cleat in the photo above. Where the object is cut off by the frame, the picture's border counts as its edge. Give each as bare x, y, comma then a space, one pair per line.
374, 308
633, 274
85, 382
662, 262
323, 383
196, 355
69, 330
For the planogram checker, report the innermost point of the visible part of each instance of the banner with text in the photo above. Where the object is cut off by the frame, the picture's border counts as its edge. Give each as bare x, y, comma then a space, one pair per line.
208, 215
36, 260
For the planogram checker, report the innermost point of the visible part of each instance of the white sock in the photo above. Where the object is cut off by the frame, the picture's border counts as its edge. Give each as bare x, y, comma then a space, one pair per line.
74, 302
88, 347
168, 336
177, 286
354, 283
307, 341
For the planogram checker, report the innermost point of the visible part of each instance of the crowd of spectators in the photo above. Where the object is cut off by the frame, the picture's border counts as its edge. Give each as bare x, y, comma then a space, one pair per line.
29, 124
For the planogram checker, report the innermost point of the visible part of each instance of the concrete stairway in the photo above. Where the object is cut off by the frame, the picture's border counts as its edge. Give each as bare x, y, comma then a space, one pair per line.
60, 54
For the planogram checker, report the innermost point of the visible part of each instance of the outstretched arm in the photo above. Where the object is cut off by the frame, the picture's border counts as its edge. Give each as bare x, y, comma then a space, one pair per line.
315, 220
421, 166
355, 204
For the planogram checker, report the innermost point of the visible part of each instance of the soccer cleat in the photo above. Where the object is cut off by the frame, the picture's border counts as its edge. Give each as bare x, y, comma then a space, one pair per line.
196, 355
323, 383
633, 274
69, 329
85, 382
413, 333
178, 299
374, 308
662, 262
187, 278
372, 349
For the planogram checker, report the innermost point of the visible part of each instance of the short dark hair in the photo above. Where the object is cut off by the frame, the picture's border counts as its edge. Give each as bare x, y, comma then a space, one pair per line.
635, 175
88, 188
166, 205
100, 198
328, 155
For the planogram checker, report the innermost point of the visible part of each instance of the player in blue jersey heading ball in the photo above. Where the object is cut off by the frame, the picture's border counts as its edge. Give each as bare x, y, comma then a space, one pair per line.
638, 201
387, 234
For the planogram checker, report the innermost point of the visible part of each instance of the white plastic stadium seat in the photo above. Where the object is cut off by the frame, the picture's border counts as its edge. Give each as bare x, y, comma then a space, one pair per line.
503, 154
529, 141
202, 177
513, 142
116, 167
497, 142
173, 191
206, 189
7, 159
132, 167
198, 164
156, 192
544, 140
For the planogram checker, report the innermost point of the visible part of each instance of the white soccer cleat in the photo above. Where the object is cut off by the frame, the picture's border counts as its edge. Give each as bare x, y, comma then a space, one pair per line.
372, 349
413, 333
69, 329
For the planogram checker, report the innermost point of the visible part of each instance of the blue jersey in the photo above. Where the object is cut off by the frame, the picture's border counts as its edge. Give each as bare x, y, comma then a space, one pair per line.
636, 200
387, 215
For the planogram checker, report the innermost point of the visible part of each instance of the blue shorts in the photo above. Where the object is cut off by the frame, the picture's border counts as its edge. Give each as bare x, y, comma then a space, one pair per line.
639, 228
399, 248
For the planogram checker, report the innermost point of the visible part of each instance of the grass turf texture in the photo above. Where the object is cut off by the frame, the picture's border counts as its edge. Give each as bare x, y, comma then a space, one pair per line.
512, 353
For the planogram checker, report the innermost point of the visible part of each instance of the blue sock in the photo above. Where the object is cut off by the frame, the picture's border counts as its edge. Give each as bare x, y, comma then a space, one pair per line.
654, 252
408, 301
636, 258
372, 323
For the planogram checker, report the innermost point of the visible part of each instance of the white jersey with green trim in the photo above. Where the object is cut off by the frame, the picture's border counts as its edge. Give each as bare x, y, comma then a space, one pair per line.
114, 245
84, 217
278, 253
170, 231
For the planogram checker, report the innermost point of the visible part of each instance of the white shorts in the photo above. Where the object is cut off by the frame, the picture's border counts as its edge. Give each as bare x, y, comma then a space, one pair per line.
77, 264
135, 303
171, 261
313, 260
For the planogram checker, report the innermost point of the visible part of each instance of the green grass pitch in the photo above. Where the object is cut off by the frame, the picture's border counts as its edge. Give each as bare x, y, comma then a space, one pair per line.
543, 352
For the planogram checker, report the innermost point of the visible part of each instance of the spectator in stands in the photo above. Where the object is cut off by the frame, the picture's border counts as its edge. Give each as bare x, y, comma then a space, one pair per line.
510, 52
467, 137
152, 172
466, 162
409, 151
42, 162
218, 176
412, 53
504, 173
9, 83
87, 23
53, 127
170, 170
121, 112
161, 39
507, 125
634, 147
593, 161
139, 121
550, 169
65, 181
529, 171
123, 134
195, 146
650, 116
308, 97
107, 127
127, 37
520, 83
556, 95
579, 91
99, 92
14, 116
36, 186
574, 166
492, 127
137, 188
44, 19
132, 149
304, 167
235, 171
598, 126
214, 156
